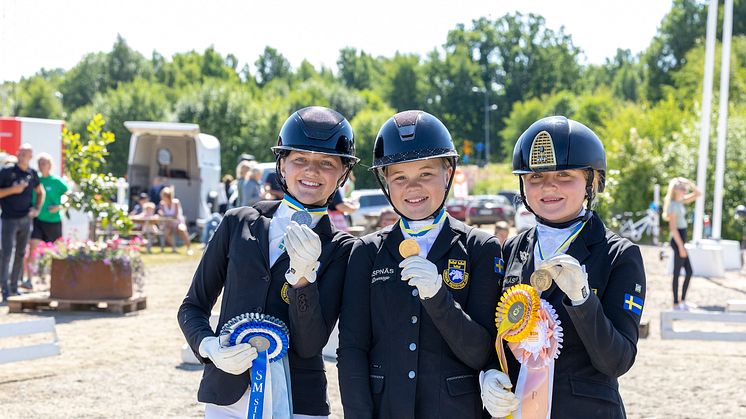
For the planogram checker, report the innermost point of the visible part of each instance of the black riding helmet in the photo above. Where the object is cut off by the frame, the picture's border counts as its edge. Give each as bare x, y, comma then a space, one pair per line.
411, 136
316, 129
557, 143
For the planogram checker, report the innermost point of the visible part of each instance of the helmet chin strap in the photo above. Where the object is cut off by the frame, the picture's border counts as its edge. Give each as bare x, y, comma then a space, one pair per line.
385, 190
585, 217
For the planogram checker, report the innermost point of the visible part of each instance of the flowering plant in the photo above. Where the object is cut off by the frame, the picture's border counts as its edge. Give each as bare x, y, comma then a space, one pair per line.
113, 252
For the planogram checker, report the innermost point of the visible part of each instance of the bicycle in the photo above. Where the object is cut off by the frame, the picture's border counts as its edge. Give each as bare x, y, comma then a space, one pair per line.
634, 230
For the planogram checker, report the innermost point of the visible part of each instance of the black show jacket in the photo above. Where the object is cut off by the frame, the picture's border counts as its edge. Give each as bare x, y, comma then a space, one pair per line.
600, 335
402, 357
236, 262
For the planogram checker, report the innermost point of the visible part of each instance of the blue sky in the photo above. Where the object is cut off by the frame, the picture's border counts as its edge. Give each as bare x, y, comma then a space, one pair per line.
46, 33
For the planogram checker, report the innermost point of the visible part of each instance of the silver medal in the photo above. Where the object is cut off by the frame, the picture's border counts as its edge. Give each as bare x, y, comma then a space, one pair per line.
302, 218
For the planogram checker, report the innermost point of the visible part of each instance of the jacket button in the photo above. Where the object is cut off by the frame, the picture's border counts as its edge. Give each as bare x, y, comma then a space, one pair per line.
258, 309
265, 278
414, 319
412, 346
411, 374
415, 292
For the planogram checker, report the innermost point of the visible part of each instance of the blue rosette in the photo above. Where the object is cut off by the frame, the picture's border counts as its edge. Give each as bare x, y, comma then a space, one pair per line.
265, 333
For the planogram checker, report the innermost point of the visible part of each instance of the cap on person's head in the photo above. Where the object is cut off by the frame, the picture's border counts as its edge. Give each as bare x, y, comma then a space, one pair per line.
143, 195
26, 146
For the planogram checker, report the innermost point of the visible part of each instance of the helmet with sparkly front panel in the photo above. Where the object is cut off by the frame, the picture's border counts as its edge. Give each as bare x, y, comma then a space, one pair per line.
556, 143
411, 136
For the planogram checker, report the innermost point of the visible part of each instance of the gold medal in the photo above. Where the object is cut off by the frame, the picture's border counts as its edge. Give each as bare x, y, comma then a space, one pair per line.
541, 280
409, 247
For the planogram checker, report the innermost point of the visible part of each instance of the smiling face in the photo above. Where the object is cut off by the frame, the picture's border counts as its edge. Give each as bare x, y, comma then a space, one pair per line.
555, 196
417, 188
311, 177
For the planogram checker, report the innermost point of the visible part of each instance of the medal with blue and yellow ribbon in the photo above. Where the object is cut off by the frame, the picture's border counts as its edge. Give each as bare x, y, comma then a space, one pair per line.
439, 219
271, 338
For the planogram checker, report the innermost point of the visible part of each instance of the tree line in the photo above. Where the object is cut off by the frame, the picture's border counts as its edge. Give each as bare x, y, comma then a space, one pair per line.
645, 106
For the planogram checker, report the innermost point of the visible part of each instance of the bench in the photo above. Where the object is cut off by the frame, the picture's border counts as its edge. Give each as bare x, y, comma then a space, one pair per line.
31, 327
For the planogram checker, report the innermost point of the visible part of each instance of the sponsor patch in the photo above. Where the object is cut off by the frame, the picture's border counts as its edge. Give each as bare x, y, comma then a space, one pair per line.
633, 303
638, 288
455, 276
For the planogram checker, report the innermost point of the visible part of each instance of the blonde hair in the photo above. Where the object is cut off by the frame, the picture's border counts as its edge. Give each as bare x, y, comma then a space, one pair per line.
148, 205
674, 183
46, 157
167, 192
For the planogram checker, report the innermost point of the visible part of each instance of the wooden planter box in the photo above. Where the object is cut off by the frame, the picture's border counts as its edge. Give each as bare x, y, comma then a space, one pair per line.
88, 280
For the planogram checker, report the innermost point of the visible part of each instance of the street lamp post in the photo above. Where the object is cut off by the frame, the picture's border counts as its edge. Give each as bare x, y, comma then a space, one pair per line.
487, 109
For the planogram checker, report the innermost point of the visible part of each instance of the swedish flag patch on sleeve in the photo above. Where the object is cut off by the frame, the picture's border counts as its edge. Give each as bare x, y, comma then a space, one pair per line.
499, 266
633, 303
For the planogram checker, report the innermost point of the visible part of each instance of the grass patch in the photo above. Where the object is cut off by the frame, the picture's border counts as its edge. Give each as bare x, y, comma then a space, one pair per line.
158, 258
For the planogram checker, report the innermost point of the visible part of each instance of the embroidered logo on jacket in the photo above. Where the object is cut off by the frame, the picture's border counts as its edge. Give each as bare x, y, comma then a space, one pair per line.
284, 293
499, 266
455, 276
383, 274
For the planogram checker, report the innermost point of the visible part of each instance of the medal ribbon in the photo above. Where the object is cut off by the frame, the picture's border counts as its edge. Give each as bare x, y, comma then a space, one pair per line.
566, 243
439, 219
292, 203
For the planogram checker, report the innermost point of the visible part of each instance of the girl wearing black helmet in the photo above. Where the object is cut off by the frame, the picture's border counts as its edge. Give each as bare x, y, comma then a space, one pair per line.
417, 322
282, 259
594, 287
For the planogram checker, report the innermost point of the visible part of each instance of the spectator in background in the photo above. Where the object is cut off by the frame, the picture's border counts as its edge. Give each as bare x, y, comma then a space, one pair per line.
224, 193
242, 176
17, 184
48, 224
337, 210
171, 207
681, 191
142, 199
386, 218
155, 190
272, 187
502, 229
349, 186
252, 189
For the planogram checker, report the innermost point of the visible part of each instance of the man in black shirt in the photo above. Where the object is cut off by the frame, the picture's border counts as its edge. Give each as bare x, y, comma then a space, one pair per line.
17, 182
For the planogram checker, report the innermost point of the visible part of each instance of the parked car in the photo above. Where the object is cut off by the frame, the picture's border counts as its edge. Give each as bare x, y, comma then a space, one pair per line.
489, 209
456, 208
371, 202
512, 195
524, 219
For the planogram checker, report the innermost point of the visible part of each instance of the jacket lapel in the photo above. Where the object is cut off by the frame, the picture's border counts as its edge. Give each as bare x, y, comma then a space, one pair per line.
447, 237
579, 247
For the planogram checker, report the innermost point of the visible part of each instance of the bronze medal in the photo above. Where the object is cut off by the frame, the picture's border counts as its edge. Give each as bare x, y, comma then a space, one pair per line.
541, 280
409, 247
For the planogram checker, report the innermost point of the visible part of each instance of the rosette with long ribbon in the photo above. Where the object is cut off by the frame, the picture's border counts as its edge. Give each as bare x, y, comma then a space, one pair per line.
270, 378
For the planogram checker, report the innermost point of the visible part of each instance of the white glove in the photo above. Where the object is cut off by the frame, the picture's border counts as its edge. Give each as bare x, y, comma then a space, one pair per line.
569, 275
496, 398
304, 248
232, 359
423, 274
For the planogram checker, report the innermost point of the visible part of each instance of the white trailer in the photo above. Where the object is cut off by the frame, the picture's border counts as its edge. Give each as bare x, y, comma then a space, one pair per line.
181, 156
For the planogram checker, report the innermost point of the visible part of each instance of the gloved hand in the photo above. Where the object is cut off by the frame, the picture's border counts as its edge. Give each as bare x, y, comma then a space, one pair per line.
232, 359
423, 274
569, 275
304, 248
497, 399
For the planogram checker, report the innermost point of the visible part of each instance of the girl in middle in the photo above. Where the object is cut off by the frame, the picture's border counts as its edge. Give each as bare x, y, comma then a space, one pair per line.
415, 331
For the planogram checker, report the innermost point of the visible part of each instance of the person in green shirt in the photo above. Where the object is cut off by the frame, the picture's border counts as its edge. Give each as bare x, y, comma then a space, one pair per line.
48, 224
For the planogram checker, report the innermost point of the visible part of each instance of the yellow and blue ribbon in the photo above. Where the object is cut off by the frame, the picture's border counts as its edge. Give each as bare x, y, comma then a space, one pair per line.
439, 219
566, 243
294, 204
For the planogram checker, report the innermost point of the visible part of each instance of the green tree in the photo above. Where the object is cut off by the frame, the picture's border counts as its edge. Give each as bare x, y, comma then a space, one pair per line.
38, 99
355, 69
84, 161
271, 65
82, 82
404, 82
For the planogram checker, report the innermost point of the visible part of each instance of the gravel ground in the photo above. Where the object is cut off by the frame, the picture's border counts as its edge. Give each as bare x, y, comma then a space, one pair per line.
129, 365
